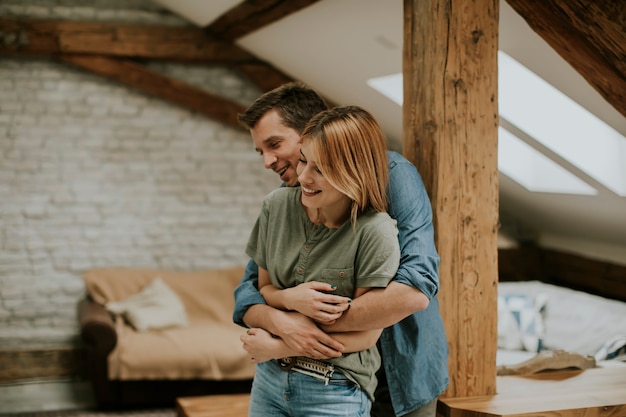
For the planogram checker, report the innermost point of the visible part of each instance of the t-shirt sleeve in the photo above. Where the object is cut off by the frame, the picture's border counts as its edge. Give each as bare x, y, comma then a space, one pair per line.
257, 243
378, 256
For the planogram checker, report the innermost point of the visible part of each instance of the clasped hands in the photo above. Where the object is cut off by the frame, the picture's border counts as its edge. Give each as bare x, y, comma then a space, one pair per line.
308, 305
315, 300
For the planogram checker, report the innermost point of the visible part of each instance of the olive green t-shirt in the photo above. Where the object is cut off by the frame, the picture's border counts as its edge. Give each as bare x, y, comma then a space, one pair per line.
295, 250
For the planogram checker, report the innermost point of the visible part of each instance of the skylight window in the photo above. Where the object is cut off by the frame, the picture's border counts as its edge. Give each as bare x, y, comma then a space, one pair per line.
560, 124
390, 86
547, 116
535, 171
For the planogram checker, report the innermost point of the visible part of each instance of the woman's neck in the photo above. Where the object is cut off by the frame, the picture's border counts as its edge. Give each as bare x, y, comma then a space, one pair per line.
332, 217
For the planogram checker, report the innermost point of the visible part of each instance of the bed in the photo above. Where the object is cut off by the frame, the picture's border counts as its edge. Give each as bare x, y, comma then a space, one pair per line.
561, 338
538, 318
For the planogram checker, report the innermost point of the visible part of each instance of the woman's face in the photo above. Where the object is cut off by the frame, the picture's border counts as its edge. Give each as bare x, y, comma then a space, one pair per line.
317, 193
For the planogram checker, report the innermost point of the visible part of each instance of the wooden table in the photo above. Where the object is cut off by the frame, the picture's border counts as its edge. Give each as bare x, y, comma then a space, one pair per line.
597, 392
229, 405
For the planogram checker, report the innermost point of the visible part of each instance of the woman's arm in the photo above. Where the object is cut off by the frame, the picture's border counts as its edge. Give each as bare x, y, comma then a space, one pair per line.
312, 299
262, 346
297, 331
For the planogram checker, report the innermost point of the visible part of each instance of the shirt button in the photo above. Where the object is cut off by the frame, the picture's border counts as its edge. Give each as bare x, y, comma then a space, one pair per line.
300, 271
341, 274
307, 247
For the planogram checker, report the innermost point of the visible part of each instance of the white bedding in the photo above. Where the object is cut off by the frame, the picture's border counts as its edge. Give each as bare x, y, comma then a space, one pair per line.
573, 321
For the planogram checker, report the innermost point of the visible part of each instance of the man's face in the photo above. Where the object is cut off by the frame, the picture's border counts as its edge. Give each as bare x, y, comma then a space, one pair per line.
279, 146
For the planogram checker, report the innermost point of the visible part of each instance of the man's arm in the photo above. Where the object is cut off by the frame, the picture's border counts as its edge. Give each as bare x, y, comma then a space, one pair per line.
247, 294
380, 308
300, 333
417, 279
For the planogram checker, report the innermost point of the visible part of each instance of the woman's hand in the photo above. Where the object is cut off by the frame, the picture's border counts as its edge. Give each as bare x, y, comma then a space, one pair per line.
262, 346
314, 301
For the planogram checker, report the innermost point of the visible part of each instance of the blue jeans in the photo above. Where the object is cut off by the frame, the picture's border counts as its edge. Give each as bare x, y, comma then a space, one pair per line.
279, 393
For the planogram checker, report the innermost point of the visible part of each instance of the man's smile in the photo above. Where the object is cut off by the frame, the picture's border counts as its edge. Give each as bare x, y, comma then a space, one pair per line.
282, 171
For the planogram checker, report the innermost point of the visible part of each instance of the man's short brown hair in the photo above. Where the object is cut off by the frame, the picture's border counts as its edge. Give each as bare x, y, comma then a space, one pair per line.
295, 102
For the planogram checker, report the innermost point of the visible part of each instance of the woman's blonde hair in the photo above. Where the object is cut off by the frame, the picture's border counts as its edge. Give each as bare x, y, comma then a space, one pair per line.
350, 150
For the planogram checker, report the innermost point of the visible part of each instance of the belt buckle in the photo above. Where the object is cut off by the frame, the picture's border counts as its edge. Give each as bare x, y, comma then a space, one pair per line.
307, 366
286, 363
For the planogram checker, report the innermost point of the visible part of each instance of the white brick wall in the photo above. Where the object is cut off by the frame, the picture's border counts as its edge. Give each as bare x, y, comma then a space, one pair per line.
95, 174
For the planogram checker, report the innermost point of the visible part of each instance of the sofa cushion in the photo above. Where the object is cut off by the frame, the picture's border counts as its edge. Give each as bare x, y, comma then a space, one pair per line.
202, 350
156, 306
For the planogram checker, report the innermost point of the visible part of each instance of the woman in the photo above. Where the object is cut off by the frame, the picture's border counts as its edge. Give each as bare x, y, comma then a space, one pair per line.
331, 234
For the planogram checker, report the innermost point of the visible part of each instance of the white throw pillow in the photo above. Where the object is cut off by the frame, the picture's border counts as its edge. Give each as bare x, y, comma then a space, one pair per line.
155, 307
521, 322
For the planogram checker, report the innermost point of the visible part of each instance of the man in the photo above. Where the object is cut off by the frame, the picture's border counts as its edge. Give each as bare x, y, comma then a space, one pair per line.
413, 345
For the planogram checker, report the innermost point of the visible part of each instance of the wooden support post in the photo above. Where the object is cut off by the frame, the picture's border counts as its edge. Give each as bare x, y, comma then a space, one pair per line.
450, 122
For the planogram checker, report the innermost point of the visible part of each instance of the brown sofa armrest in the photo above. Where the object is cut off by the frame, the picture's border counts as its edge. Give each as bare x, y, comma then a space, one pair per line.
96, 326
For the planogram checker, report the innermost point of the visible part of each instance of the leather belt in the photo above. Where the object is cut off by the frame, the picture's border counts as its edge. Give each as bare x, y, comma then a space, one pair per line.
307, 366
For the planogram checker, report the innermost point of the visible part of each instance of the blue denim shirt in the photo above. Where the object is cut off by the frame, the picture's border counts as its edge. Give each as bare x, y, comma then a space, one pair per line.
415, 350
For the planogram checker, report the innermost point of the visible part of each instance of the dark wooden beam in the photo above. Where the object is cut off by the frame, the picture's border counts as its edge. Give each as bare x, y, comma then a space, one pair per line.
569, 270
19, 37
252, 15
21, 364
265, 76
143, 79
49, 37
590, 35
245, 18
584, 274
521, 264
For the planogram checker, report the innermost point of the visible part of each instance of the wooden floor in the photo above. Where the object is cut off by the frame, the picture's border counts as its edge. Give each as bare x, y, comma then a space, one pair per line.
230, 405
597, 392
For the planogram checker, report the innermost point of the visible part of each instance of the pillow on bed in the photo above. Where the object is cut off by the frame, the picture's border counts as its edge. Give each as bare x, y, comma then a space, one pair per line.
155, 307
520, 322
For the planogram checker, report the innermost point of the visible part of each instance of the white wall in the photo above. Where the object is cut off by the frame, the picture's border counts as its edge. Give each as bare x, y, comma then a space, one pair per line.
95, 174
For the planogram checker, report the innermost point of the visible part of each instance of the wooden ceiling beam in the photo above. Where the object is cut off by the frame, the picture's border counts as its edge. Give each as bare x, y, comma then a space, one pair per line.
182, 44
50, 37
251, 15
247, 17
590, 35
264, 76
105, 41
174, 91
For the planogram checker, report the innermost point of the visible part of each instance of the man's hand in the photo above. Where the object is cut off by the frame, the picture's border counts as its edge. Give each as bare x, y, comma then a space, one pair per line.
303, 337
313, 299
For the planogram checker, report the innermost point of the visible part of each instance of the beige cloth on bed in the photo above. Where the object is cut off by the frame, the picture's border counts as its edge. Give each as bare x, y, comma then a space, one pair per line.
207, 348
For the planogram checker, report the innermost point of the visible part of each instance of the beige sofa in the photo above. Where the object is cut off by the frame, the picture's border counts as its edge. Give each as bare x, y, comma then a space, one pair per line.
154, 335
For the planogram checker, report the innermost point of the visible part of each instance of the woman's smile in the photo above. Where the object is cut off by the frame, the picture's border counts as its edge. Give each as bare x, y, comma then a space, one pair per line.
309, 192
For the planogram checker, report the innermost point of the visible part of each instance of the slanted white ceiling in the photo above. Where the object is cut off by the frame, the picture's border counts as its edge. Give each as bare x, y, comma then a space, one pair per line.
200, 12
337, 45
